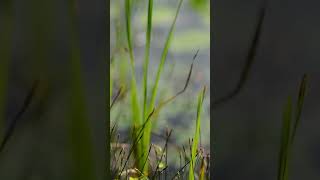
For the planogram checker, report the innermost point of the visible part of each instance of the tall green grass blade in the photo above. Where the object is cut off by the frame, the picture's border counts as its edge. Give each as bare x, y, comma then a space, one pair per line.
197, 134
285, 138
147, 136
299, 105
134, 96
79, 128
145, 76
163, 58
6, 16
128, 30
146, 59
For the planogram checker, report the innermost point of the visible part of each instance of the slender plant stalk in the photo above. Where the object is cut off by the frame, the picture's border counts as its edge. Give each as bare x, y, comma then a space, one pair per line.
11, 127
284, 150
197, 134
147, 56
134, 95
299, 105
163, 58
248, 64
147, 136
145, 78
135, 109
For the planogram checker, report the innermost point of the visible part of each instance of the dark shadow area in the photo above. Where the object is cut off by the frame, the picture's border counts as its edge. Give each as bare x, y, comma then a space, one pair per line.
60, 130
247, 128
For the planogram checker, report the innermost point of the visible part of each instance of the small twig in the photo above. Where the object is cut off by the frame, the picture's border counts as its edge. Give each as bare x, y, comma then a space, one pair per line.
13, 123
116, 97
138, 138
113, 129
186, 84
248, 65
145, 162
164, 149
181, 169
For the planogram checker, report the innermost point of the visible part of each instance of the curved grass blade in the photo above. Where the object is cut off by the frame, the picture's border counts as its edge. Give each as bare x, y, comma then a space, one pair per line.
9, 132
116, 97
163, 103
299, 105
285, 138
146, 59
147, 136
128, 30
135, 109
164, 57
248, 64
289, 129
197, 134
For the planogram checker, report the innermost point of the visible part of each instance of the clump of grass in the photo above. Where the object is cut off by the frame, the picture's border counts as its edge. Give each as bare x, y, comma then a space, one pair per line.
122, 152
123, 162
137, 157
138, 116
151, 105
289, 127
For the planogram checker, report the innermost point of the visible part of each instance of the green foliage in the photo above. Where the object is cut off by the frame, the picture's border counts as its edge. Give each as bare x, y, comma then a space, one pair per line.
136, 161
196, 138
145, 77
289, 128
147, 108
135, 108
147, 136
